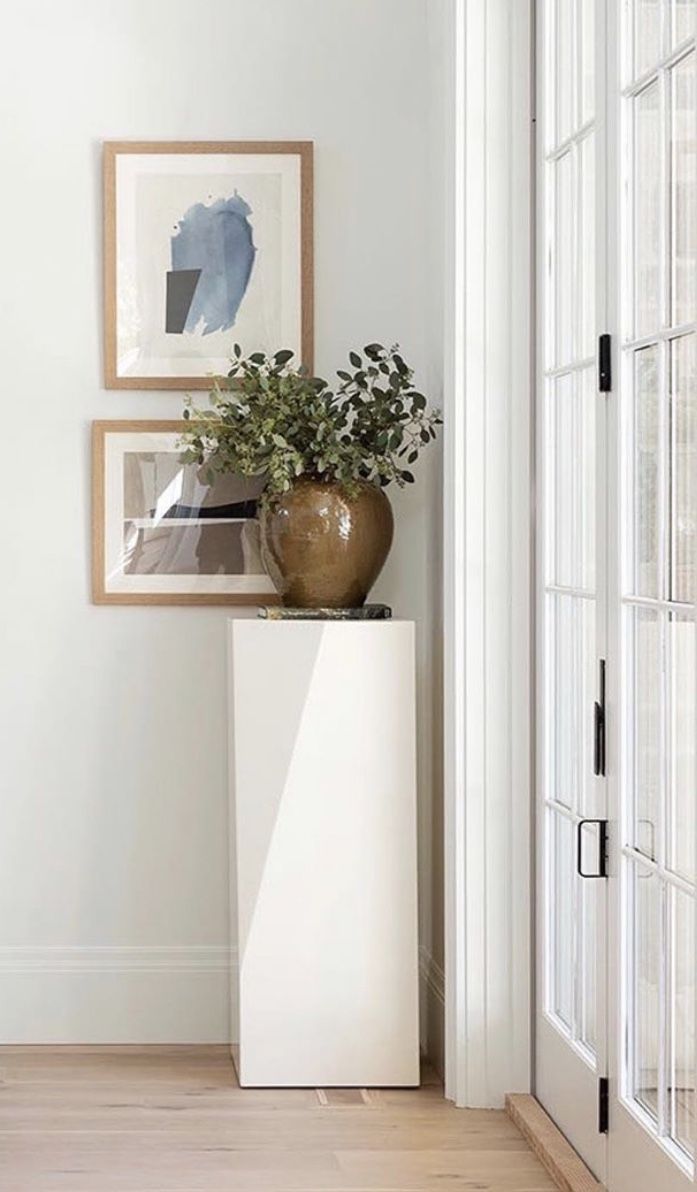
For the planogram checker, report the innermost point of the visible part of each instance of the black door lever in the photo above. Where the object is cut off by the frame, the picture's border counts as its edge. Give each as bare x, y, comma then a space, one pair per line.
599, 725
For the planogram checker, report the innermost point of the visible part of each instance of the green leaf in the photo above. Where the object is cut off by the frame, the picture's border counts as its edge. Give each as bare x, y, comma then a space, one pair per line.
237, 350
278, 422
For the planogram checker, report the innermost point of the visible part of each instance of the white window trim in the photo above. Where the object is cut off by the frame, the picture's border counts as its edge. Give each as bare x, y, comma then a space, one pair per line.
488, 549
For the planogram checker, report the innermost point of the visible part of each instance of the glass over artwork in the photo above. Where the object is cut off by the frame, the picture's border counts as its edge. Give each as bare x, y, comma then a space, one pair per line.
204, 245
171, 529
178, 523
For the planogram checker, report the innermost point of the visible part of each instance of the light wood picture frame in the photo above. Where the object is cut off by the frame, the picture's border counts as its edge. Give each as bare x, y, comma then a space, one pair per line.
206, 243
162, 532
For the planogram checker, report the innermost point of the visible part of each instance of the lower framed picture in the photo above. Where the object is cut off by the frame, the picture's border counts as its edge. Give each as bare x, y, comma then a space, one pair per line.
161, 532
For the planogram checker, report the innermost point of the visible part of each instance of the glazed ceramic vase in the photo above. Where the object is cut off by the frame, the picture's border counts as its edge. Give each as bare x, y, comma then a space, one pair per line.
324, 548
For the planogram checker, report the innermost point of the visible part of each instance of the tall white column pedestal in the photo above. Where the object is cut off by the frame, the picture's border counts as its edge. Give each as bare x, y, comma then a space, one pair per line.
323, 823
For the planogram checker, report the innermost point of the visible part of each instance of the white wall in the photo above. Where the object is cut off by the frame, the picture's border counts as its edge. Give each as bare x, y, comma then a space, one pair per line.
113, 867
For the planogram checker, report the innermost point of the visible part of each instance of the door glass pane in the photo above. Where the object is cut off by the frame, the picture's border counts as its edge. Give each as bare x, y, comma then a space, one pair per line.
647, 210
684, 188
591, 792
587, 16
563, 917
645, 986
683, 718
565, 64
683, 20
565, 676
681, 1090
590, 892
683, 399
588, 402
647, 34
646, 473
645, 632
571, 468
564, 257
587, 322
564, 456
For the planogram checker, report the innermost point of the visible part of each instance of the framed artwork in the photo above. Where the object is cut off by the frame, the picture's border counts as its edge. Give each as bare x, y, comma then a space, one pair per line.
205, 244
162, 533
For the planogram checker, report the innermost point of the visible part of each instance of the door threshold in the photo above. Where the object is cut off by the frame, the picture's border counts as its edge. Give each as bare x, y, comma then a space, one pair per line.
563, 1163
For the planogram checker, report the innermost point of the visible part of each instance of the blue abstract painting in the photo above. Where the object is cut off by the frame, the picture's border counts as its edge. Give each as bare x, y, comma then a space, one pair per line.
212, 260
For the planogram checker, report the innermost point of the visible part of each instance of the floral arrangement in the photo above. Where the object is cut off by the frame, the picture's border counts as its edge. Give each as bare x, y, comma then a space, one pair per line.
269, 418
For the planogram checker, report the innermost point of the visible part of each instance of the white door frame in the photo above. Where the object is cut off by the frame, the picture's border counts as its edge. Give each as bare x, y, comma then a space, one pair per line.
488, 549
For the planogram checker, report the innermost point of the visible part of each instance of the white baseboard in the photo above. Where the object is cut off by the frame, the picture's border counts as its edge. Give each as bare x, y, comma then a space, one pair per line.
115, 994
432, 981
56, 995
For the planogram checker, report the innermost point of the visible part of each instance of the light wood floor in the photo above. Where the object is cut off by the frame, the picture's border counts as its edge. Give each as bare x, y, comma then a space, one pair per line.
174, 1120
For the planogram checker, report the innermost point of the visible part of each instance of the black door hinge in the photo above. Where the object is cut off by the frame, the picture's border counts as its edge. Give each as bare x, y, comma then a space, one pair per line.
599, 724
605, 363
603, 1105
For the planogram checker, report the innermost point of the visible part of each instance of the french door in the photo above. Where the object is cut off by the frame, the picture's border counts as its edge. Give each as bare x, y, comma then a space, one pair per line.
617, 584
571, 1036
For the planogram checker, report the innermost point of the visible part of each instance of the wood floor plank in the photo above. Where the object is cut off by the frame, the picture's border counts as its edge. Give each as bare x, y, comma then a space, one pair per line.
175, 1120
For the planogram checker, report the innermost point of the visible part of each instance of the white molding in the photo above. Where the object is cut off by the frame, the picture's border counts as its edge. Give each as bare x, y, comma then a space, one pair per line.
110, 961
488, 551
113, 994
98, 958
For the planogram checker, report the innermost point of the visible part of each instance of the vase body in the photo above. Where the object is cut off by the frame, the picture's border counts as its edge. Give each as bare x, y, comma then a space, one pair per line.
324, 548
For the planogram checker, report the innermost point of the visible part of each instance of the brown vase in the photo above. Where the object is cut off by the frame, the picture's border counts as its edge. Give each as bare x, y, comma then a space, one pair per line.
324, 548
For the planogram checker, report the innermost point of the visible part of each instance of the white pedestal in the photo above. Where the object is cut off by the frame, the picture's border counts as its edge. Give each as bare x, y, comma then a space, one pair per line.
323, 815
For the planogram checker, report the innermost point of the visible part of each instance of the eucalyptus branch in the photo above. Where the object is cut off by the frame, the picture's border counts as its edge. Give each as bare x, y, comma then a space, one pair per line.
267, 418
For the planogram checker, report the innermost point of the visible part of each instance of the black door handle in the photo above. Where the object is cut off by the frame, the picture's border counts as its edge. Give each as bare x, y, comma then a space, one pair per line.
602, 848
